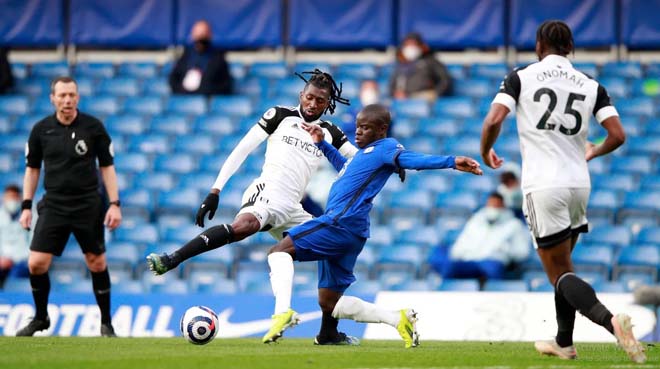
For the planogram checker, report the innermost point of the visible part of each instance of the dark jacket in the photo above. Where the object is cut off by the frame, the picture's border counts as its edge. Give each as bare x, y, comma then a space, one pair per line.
426, 73
6, 78
216, 79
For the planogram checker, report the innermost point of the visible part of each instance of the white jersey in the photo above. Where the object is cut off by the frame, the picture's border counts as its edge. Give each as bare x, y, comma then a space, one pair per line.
553, 103
291, 155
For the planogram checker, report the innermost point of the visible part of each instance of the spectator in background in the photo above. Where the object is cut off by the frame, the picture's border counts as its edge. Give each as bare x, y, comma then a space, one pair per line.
510, 190
418, 74
6, 77
201, 69
492, 240
14, 240
369, 94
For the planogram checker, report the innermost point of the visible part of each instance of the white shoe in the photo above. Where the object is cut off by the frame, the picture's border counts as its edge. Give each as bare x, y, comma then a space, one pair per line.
551, 348
626, 340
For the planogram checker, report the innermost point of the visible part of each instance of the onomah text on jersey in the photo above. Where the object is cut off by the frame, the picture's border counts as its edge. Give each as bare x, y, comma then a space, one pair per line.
557, 73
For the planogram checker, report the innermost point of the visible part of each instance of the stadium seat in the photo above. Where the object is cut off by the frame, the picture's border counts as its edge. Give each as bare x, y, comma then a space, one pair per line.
608, 287
643, 106
7, 162
198, 144
138, 70
210, 281
95, 70
645, 145
494, 71
150, 144
198, 181
457, 71
617, 87
120, 86
603, 203
640, 258
156, 86
409, 258
50, 69
476, 87
620, 182
240, 106
23, 125
621, 69
390, 278
437, 127
632, 164
178, 201
649, 235
269, 70
483, 184
151, 105
608, 235
14, 104
381, 236
593, 258
640, 204
537, 281
364, 287
253, 87
155, 181
140, 234
505, 286
132, 287
139, 197
175, 163
215, 124
132, 162
170, 124
456, 203
33, 87
458, 107
356, 71
650, 182
459, 285
414, 203
122, 256
100, 105
414, 108
19, 70
464, 145
173, 287
126, 124
424, 237
632, 280
21, 285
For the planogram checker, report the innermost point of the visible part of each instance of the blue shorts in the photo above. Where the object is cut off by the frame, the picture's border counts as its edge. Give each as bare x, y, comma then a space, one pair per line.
335, 248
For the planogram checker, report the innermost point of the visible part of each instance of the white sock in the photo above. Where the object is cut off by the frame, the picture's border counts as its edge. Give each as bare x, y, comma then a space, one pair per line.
349, 307
281, 280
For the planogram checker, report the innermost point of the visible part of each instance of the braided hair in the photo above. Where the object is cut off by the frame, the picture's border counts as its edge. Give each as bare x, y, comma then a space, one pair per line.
325, 81
556, 35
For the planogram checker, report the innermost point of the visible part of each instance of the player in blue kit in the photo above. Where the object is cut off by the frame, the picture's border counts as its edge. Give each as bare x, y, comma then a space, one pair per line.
336, 238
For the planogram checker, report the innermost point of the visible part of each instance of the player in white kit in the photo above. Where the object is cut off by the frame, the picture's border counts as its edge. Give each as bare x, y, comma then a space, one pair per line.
272, 202
553, 103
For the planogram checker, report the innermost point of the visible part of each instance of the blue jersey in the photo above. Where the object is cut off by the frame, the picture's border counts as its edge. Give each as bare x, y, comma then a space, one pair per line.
362, 177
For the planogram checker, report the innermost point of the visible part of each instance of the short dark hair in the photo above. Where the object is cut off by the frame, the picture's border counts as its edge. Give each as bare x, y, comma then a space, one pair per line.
378, 113
323, 80
63, 79
496, 195
13, 188
557, 35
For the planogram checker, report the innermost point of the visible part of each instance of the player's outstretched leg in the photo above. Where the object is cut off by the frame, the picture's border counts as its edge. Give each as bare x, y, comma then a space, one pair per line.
626, 340
280, 322
208, 240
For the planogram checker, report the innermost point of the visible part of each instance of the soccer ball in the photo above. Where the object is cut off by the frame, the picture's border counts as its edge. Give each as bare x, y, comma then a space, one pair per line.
199, 325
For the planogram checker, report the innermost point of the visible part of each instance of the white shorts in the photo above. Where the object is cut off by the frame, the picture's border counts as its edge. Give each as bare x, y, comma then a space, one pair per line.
274, 216
556, 214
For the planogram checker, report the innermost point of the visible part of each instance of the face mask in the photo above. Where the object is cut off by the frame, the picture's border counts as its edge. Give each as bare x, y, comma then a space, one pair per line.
512, 196
12, 206
411, 52
368, 97
492, 214
202, 44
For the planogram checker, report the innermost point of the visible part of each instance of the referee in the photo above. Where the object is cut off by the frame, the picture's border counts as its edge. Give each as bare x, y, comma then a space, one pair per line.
68, 143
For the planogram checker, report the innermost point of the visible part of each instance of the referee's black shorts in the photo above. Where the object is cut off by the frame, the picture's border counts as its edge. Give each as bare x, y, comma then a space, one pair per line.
60, 215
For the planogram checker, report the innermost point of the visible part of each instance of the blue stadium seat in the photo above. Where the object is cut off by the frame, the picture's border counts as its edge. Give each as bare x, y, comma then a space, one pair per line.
620, 182
437, 127
424, 237
617, 87
140, 234
459, 285
179, 234
650, 235
139, 201
599, 166
178, 201
603, 204
253, 87
150, 144
464, 145
14, 104
356, 71
237, 70
269, 70
496, 71
95, 70
537, 281
632, 164
476, 87
414, 203
17, 285
86, 86
456, 203
645, 145
216, 124
608, 287
132, 162
50, 69
100, 105
290, 86
593, 258
156, 86
19, 70
198, 181
622, 69
405, 257
310, 66
381, 236
7, 162
33, 87
171, 124
650, 183
413, 285
632, 280
211, 281
414, 108
364, 287
389, 278
459, 107
155, 181
641, 203
151, 105
197, 144
175, 163
617, 235
485, 184
643, 106
173, 287
24, 123
6, 125
132, 287
240, 106
505, 286
122, 256
138, 70
126, 124
120, 86
14, 143
640, 258
590, 69
457, 71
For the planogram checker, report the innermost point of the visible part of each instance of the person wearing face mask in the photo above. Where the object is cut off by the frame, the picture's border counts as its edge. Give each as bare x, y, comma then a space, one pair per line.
493, 239
14, 240
201, 69
510, 190
418, 74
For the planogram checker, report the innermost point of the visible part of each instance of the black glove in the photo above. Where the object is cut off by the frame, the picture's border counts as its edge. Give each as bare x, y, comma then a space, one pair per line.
210, 205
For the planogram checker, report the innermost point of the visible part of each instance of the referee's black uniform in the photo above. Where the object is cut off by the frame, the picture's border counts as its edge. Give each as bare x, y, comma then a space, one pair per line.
72, 203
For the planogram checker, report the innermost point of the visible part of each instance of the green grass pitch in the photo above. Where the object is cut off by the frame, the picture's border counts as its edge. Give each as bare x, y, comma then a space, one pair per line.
163, 353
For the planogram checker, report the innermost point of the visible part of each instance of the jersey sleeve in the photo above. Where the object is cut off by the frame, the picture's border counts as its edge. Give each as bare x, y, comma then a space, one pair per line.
509, 91
104, 150
603, 108
271, 120
33, 150
338, 139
